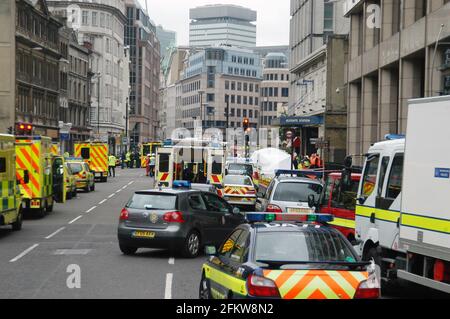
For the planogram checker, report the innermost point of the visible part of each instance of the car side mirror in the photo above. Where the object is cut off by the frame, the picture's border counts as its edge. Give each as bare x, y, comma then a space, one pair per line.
210, 251
311, 201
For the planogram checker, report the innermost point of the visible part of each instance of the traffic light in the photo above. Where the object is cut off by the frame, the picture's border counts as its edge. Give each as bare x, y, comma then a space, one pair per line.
246, 124
11, 130
24, 129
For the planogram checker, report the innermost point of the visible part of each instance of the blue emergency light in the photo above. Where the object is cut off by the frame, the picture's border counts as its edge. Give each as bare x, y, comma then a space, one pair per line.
181, 184
299, 173
391, 137
286, 217
74, 159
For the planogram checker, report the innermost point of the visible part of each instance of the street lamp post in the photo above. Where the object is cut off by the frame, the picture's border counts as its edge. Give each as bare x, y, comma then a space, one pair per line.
126, 124
201, 105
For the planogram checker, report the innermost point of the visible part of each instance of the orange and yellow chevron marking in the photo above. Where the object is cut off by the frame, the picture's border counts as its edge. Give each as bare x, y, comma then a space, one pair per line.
229, 190
27, 158
316, 284
55, 149
216, 179
162, 177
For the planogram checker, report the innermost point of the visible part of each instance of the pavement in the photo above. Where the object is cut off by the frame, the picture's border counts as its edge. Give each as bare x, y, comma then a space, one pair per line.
37, 262
41, 261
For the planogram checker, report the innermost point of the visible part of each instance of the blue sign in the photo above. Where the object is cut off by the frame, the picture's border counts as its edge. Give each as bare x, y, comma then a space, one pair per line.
64, 136
442, 173
300, 120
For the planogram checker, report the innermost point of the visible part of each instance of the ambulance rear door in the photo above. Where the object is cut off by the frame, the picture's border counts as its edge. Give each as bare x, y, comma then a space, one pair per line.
164, 167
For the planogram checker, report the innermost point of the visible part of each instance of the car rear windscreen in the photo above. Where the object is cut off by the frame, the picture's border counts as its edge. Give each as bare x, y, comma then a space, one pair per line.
244, 168
76, 167
296, 192
314, 245
152, 201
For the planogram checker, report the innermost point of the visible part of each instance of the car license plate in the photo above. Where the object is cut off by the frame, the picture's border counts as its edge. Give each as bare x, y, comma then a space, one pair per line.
144, 234
300, 211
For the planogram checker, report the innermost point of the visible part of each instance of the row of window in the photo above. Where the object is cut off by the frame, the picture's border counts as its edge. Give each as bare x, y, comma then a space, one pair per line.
102, 20
274, 92
42, 71
191, 87
244, 113
239, 86
242, 72
242, 60
36, 25
245, 100
78, 66
37, 103
275, 77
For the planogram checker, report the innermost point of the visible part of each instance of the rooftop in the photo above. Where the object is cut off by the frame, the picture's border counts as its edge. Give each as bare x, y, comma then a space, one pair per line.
221, 11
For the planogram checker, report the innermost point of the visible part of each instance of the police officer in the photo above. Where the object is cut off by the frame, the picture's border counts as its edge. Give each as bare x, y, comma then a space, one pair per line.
112, 165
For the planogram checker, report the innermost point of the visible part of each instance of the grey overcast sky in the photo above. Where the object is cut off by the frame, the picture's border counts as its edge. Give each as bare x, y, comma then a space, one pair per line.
272, 24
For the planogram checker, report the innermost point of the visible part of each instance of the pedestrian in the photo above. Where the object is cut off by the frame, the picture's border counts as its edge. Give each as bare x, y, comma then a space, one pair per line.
137, 159
147, 164
128, 159
112, 165
123, 160
152, 165
294, 161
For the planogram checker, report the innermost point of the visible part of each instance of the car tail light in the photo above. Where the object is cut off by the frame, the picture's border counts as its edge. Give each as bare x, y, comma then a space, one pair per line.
368, 289
258, 286
124, 214
173, 217
273, 209
441, 271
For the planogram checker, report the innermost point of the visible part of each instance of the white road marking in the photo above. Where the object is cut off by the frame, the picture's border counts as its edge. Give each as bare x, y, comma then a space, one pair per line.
24, 253
74, 220
102, 201
168, 292
91, 209
118, 191
130, 182
171, 261
56, 232
110, 196
125, 187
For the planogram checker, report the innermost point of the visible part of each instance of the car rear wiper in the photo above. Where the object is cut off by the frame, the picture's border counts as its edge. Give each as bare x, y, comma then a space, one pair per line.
279, 263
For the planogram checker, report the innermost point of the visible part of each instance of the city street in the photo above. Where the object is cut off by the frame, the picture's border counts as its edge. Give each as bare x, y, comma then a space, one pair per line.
34, 261
64, 238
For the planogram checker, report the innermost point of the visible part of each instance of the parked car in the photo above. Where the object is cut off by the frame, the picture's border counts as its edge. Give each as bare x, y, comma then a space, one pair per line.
70, 181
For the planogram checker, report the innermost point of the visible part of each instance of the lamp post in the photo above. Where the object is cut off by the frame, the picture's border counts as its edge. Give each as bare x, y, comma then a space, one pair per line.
201, 105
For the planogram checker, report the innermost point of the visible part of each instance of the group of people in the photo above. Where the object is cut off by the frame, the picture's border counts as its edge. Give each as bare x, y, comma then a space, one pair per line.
150, 163
307, 162
128, 159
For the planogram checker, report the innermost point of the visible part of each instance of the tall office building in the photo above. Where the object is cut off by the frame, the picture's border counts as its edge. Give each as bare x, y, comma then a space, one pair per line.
222, 25
167, 40
140, 36
100, 27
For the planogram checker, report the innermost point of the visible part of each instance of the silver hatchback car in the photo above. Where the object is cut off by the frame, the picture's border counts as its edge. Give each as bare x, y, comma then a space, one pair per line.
289, 195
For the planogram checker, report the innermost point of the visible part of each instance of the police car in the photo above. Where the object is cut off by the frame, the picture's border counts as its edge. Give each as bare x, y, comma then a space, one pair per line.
271, 258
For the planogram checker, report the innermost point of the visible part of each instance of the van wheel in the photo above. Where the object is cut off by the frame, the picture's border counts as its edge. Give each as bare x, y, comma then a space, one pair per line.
17, 225
41, 212
205, 288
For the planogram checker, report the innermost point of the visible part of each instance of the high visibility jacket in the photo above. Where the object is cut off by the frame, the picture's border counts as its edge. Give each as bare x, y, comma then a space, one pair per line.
112, 160
128, 156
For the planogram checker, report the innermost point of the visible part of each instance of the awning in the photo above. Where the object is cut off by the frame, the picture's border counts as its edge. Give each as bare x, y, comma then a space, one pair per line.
298, 121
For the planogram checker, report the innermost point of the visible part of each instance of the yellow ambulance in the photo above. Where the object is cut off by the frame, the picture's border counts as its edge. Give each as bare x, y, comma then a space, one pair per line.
96, 155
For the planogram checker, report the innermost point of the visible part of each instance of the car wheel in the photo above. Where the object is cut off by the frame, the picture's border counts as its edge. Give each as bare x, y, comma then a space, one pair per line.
127, 250
205, 289
17, 225
192, 245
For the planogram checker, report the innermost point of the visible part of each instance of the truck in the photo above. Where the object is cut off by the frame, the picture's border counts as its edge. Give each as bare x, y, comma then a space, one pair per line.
96, 155
196, 163
40, 175
11, 199
403, 213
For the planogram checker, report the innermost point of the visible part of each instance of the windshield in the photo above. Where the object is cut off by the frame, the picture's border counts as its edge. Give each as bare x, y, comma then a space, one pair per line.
76, 167
153, 201
296, 192
314, 245
237, 180
244, 168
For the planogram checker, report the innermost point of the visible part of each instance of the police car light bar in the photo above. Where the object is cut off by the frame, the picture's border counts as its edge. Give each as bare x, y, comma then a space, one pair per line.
270, 217
391, 137
181, 184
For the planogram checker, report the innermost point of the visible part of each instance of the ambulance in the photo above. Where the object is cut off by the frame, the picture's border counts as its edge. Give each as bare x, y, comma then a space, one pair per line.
11, 201
403, 213
96, 155
40, 175
149, 148
198, 164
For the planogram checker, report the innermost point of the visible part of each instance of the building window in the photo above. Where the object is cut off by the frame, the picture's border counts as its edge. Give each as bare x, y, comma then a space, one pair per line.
256, 101
210, 97
328, 16
233, 86
238, 113
245, 87
227, 85
250, 114
245, 100
285, 92
102, 20
239, 99
84, 19
239, 86
250, 87
233, 99
250, 100
244, 113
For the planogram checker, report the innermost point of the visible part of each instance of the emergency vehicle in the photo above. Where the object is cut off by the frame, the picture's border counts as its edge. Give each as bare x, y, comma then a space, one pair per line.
205, 164
262, 259
40, 175
11, 201
96, 155
402, 213
148, 148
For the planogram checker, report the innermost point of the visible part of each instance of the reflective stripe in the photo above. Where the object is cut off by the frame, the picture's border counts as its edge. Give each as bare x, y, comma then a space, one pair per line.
380, 214
316, 284
343, 222
426, 223
236, 285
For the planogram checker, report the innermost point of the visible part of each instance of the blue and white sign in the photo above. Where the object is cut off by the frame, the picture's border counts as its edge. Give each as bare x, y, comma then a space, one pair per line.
442, 173
64, 136
298, 121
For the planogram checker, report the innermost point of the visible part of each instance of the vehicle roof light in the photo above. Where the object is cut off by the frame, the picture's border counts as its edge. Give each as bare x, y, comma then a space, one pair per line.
391, 137
181, 184
299, 173
270, 217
